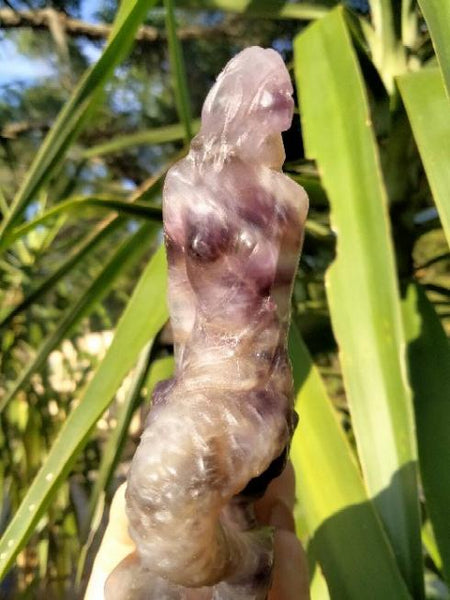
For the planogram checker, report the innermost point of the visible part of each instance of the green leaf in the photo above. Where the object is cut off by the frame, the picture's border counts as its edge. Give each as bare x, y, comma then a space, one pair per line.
77, 204
77, 110
128, 253
178, 71
99, 233
409, 23
157, 371
429, 541
4, 208
112, 450
273, 9
437, 16
84, 249
144, 315
429, 367
386, 49
169, 133
318, 587
111, 454
428, 109
361, 283
346, 535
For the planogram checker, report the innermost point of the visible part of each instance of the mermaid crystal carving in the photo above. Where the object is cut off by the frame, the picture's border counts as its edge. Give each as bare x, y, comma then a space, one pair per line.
220, 429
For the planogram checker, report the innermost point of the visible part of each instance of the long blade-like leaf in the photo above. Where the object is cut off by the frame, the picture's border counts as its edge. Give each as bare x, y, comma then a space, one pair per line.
87, 246
429, 365
158, 370
144, 315
135, 209
386, 49
112, 450
111, 453
178, 71
126, 254
346, 535
151, 188
366, 316
74, 114
428, 109
437, 16
169, 133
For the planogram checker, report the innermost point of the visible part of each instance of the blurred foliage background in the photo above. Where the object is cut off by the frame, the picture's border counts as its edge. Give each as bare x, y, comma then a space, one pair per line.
96, 102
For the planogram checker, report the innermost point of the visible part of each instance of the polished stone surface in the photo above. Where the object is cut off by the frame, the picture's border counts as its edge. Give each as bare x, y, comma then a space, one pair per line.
233, 231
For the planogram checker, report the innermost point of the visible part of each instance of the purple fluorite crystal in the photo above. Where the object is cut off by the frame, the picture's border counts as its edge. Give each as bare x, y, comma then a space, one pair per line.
220, 429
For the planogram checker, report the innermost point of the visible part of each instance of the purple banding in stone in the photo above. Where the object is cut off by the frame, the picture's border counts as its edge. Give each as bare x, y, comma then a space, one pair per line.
221, 427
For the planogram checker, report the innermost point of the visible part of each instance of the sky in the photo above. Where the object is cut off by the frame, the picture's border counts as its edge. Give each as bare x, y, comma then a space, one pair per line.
15, 67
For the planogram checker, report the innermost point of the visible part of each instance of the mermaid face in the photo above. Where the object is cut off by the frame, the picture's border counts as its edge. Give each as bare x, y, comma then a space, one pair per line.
252, 94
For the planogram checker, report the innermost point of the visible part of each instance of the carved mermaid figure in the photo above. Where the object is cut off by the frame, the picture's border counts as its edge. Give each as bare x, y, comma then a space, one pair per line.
220, 429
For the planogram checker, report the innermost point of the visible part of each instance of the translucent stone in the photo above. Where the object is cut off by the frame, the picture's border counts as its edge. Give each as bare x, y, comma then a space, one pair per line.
233, 230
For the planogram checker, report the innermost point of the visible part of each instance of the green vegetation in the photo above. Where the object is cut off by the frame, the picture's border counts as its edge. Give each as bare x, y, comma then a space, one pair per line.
81, 265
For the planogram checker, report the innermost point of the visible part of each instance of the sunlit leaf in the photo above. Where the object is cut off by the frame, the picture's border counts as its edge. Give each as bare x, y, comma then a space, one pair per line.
127, 253
437, 17
361, 283
135, 209
112, 451
428, 109
179, 79
144, 315
169, 133
346, 534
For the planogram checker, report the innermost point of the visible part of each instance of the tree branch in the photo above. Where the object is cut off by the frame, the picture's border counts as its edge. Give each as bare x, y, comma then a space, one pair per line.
45, 18
11, 131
